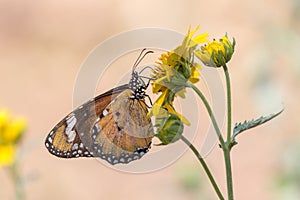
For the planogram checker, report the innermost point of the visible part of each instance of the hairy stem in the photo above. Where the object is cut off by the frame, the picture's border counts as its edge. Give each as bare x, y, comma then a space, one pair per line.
228, 142
228, 173
19, 187
210, 113
228, 103
205, 167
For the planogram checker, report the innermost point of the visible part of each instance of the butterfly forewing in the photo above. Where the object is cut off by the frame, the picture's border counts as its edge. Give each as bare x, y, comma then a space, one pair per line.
71, 137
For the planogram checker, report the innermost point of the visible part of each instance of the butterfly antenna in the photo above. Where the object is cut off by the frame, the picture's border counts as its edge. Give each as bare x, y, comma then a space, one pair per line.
135, 64
149, 78
140, 58
147, 67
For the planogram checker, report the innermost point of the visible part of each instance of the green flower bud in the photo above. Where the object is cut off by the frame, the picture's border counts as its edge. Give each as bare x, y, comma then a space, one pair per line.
169, 128
216, 54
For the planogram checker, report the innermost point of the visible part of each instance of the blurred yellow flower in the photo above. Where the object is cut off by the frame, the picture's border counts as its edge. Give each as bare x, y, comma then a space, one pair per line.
216, 54
11, 130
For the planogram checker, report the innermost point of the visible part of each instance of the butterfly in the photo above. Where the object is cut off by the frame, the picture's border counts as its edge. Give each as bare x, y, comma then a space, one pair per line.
113, 126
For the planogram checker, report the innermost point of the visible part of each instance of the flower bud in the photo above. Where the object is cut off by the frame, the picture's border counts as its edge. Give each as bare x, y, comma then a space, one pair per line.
169, 128
216, 54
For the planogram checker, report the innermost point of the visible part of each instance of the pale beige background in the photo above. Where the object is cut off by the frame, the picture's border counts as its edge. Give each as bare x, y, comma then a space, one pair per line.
43, 43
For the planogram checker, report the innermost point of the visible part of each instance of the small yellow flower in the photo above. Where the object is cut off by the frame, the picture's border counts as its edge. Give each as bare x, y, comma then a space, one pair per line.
11, 130
216, 53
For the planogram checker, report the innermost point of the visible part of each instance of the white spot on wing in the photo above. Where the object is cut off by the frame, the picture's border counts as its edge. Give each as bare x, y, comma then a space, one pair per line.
71, 121
98, 128
71, 136
50, 140
81, 145
75, 146
105, 112
135, 157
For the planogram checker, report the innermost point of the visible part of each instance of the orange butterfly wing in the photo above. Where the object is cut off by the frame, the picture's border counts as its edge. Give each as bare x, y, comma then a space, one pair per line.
71, 137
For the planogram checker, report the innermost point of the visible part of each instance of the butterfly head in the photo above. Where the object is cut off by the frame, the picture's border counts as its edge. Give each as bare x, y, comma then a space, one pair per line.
136, 83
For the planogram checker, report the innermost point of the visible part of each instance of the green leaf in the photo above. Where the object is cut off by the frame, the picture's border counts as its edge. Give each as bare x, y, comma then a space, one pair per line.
240, 127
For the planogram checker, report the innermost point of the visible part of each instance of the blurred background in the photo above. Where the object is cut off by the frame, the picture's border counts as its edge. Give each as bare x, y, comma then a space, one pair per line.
43, 44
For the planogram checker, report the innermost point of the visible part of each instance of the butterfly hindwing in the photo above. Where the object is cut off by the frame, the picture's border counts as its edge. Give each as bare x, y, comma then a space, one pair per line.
124, 131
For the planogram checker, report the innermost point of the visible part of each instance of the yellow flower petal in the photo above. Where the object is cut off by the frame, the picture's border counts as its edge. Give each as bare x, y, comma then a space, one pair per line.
4, 119
181, 93
15, 130
10, 130
201, 38
191, 34
158, 104
194, 77
7, 155
181, 117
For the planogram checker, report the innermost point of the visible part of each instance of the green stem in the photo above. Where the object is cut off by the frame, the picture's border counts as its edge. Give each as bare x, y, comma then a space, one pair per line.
228, 142
228, 173
17, 181
211, 115
205, 167
228, 103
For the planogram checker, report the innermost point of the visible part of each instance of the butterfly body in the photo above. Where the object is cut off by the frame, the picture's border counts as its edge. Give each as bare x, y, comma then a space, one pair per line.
113, 126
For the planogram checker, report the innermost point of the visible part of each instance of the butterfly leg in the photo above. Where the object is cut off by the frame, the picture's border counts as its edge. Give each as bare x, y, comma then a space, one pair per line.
149, 101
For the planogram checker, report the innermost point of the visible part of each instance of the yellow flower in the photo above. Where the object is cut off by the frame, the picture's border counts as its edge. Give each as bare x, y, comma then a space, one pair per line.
178, 64
171, 74
11, 130
216, 54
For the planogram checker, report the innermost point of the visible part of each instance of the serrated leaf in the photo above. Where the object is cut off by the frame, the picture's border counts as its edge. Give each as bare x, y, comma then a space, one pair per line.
240, 127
